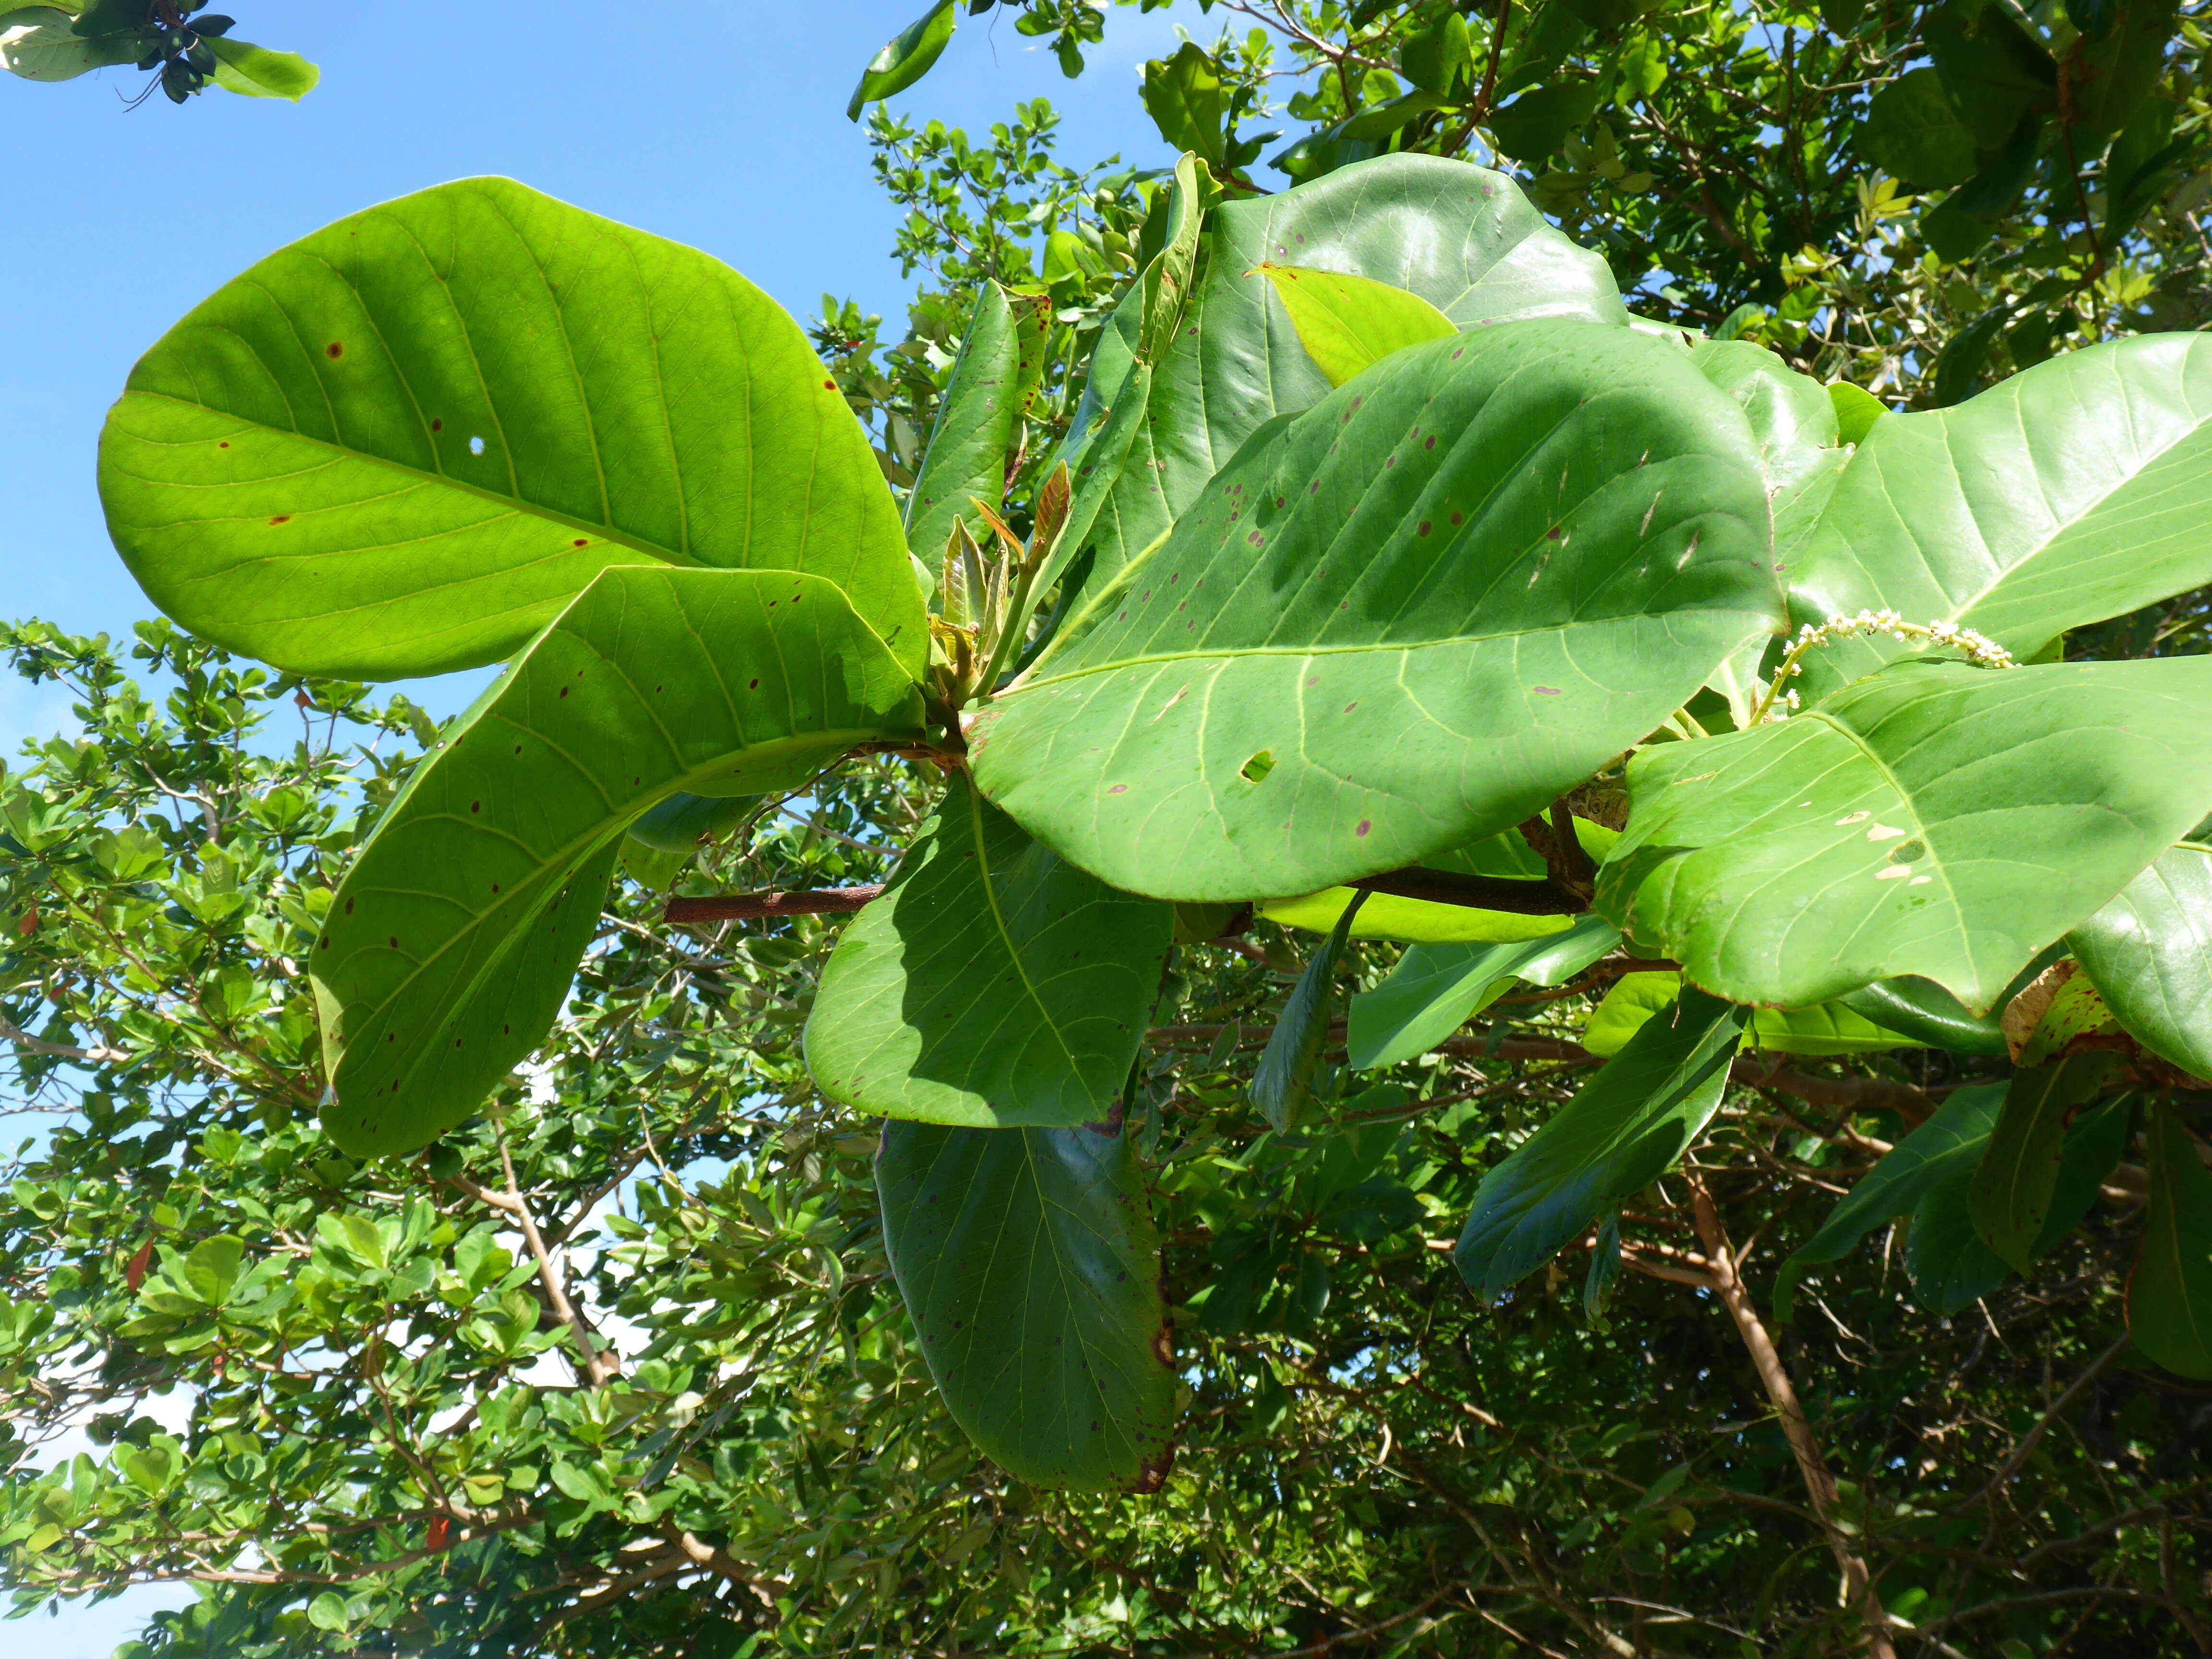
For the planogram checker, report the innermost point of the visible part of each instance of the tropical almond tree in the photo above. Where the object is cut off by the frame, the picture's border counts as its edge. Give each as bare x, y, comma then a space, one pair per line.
1395, 582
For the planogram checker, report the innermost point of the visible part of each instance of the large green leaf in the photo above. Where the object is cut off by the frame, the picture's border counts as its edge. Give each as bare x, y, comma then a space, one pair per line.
1407, 618
402, 444
1791, 415
2010, 1196
1425, 921
39, 43
2077, 490
1436, 989
1914, 130
254, 71
1408, 920
1929, 1014
1463, 239
2149, 951
905, 57
1930, 1175
1029, 1263
1937, 819
652, 681
1282, 1081
1622, 1132
977, 420
994, 984
2170, 1292
1947, 1145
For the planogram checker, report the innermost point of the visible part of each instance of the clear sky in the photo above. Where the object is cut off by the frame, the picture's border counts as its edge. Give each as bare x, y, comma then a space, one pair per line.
722, 125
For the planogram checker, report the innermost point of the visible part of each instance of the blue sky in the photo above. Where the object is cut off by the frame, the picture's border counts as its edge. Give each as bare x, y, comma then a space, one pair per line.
720, 126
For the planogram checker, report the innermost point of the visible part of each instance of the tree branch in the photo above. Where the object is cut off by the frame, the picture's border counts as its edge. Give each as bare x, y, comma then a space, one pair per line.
745, 907
1819, 1482
593, 1367
30, 1044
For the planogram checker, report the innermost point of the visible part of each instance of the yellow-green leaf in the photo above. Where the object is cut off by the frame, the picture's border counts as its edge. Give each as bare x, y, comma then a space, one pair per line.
1348, 322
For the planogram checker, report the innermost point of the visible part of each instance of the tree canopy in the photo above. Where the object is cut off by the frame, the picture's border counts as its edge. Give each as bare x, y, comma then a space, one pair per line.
1448, 901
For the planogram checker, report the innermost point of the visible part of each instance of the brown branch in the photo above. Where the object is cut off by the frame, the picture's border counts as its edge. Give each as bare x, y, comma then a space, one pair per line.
743, 907
593, 1367
30, 1044
2018, 1457
1489, 87
1812, 1464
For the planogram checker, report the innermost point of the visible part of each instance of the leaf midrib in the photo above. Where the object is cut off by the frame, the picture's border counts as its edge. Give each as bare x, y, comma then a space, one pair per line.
1233, 652
1961, 611
615, 536
983, 869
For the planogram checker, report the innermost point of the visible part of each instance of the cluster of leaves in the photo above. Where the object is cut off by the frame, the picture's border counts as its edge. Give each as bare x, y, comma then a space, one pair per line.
339, 1397
1101, 1243
1857, 186
184, 46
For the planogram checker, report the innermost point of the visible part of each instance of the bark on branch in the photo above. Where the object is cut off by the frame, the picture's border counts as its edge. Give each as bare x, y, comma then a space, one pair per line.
748, 906
594, 1365
32, 1045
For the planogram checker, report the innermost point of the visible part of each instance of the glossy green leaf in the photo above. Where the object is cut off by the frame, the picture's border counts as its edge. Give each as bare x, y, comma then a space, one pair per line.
1930, 1175
1408, 618
1282, 1082
992, 984
403, 443
1463, 239
1348, 324
1994, 68
1914, 130
1436, 989
2079, 490
1951, 1264
1948, 1145
652, 681
684, 823
2010, 1197
1829, 1029
1537, 123
2170, 1292
255, 71
1029, 1264
1937, 819
1624, 1130
1927, 1014
978, 420
1422, 922
1950, 1267
2150, 952
1117, 398
39, 43
1184, 97
906, 56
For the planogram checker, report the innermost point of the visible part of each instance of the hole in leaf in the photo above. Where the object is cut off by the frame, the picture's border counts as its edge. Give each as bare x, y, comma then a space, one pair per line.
476, 445
1255, 770
1908, 850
